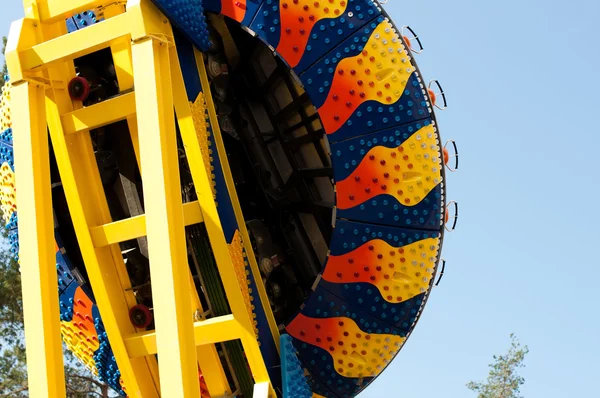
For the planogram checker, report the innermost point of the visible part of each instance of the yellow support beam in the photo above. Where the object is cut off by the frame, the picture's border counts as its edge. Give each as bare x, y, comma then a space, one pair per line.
235, 202
135, 227
212, 222
122, 59
36, 240
40, 43
106, 270
164, 218
100, 114
59, 10
207, 355
210, 331
77, 44
261, 390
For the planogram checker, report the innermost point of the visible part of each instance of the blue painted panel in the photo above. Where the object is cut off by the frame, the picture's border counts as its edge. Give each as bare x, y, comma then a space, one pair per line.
385, 209
293, 381
347, 155
318, 78
327, 34
349, 235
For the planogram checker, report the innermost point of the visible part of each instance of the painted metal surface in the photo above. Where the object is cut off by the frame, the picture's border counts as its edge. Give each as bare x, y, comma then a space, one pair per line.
388, 172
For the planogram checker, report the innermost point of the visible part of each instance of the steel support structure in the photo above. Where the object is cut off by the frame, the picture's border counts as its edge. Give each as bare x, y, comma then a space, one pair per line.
40, 56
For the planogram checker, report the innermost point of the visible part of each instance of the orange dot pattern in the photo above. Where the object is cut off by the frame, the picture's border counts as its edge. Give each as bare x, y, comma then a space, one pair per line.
8, 200
199, 116
236, 251
408, 172
80, 334
298, 17
355, 353
379, 73
398, 273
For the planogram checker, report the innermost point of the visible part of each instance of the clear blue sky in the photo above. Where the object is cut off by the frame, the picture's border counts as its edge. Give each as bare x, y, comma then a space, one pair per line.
522, 81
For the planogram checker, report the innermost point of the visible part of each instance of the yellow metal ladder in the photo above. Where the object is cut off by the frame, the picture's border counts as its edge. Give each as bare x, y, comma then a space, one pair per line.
40, 57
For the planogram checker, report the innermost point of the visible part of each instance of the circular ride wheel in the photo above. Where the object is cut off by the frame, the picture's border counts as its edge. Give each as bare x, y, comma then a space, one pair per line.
375, 197
388, 175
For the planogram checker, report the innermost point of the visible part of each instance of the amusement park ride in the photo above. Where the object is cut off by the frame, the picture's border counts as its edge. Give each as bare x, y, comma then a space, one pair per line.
232, 197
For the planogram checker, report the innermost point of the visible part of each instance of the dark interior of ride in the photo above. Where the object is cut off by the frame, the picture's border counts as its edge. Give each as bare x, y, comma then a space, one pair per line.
280, 164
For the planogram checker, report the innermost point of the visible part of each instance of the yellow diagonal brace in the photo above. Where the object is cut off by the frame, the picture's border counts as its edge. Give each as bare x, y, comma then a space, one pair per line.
135, 227
164, 219
108, 277
213, 223
235, 202
213, 330
100, 114
121, 54
36, 240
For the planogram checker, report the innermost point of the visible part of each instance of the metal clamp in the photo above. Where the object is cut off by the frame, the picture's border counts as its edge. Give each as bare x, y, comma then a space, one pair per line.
409, 39
454, 217
440, 92
441, 272
454, 156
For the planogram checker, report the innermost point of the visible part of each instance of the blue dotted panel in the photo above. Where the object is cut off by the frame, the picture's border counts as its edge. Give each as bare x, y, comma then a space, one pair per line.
385, 209
328, 33
188, 16
324, 304
82, 20
65, 278
13, 223
374, 116
318, 78
349, 235
396, 318
108, 371
267, 22
320, 364
64, 266
294, 383
6, 148
348, 154
66, 302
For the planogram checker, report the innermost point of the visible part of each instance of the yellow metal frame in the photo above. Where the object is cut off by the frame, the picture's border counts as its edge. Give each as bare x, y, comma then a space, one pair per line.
40, 57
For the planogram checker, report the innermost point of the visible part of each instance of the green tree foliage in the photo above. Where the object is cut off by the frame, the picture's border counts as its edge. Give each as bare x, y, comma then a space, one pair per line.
13, 370
503, 380
4, 70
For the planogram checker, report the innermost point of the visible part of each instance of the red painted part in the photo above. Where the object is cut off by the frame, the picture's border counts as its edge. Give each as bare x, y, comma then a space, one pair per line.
446, 156
432, 96
203, 387
407, 40
140, 316
79, 89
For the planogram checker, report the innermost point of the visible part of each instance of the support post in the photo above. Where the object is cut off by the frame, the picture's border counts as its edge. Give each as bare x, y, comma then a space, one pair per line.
164, 219
36, 239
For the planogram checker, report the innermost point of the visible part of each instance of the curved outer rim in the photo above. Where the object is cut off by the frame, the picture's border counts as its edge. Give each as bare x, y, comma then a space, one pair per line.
442, 172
